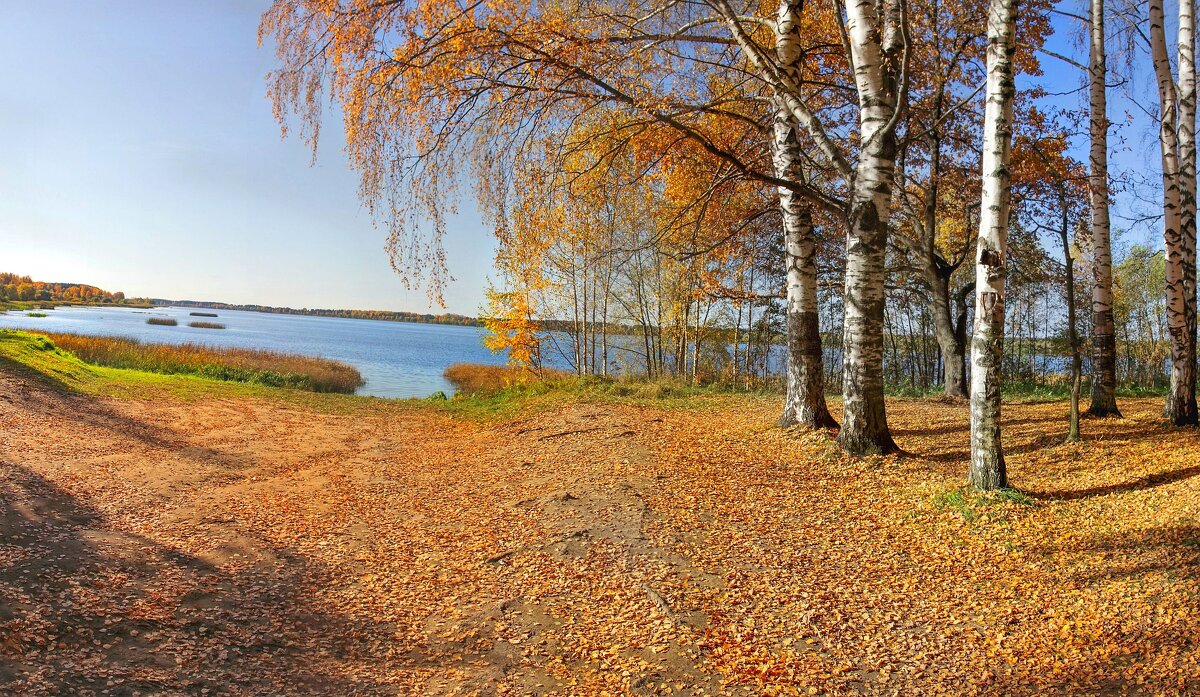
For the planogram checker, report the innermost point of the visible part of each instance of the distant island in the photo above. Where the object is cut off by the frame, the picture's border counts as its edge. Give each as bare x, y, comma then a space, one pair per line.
381, 315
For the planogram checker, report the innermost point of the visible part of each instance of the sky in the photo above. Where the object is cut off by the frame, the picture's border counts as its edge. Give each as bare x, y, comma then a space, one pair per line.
138, 153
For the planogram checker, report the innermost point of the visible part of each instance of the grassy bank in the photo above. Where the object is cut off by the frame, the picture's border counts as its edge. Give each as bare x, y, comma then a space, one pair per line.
265, 368
487, 380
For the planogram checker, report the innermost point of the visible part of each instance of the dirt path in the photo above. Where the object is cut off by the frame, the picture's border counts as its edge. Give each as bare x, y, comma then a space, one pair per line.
250, 547
261, 547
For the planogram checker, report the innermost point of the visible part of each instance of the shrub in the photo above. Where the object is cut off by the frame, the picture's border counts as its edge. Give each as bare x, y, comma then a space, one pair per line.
162, 321
470, 378
234, 364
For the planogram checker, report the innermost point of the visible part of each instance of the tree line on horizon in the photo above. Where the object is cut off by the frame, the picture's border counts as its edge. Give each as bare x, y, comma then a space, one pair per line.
14, 287
682, 164
380, 315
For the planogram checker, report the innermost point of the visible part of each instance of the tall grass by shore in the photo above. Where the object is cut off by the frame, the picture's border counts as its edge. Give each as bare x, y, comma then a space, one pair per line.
162, 321
472, 378
234, 364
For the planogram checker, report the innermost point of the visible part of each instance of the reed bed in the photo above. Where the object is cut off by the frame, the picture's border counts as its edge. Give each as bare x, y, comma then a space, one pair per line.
203, 314
162, 321
472, 378
233, 364
206, 325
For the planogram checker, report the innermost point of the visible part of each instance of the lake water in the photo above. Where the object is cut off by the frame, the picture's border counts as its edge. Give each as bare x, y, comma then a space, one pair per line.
397, 359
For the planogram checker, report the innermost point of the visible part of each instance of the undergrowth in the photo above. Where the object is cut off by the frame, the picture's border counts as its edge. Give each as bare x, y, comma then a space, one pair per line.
972, 505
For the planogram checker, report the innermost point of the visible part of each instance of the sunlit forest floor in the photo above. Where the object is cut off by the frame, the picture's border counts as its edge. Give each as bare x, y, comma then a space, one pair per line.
168, 537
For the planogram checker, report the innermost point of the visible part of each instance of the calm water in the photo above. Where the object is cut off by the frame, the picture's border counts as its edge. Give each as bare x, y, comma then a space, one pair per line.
397, 359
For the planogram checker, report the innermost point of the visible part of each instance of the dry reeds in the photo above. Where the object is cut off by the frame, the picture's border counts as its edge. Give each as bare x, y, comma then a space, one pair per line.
471, 378
234, 364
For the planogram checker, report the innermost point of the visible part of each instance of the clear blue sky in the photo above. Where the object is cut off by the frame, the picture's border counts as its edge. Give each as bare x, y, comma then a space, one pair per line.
139, 154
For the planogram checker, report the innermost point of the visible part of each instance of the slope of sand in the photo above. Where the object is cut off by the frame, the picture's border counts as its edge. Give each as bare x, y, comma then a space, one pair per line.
255, 546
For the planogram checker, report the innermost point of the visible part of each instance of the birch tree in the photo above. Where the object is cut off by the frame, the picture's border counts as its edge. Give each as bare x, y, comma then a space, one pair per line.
987, 469
1177, 143
1182, 406
878, 51
804, 403
1104, 340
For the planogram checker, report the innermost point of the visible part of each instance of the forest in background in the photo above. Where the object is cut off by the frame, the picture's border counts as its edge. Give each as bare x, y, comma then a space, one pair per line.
15, 288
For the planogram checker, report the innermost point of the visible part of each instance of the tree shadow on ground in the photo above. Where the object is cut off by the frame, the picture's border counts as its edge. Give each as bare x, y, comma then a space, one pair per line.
87, 608
91, 604
35, 391
1138, 484
1156, 560
964, 427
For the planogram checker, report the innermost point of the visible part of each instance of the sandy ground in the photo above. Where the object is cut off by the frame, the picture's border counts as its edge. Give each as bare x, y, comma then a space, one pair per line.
257, 547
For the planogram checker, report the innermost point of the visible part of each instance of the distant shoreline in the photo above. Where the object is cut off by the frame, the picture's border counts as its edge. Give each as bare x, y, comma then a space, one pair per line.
378, 315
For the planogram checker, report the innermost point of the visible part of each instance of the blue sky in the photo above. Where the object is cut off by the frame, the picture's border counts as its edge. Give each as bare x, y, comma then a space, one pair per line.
139, 154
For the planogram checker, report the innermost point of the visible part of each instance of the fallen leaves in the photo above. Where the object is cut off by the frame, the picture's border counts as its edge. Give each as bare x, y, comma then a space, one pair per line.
249, 547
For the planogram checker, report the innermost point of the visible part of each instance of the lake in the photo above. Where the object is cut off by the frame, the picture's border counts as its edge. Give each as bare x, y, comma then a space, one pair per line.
397, 359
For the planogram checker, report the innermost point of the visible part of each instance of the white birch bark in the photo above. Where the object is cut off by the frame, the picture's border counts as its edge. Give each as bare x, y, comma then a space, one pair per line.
1178, 400
864, 419
804, 404
1104, 341
987, 470
1182, 405
878, 54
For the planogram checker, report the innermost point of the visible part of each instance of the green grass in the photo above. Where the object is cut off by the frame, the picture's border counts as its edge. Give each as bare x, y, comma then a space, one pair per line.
538, 395
264, 368
40, 358
1028, 391
972, 505
35, 314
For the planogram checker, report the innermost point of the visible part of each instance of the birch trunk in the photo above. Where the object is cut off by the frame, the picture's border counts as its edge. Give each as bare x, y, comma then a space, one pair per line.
864, 417
1180, 406
804, 404
1104, 340
987, 469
